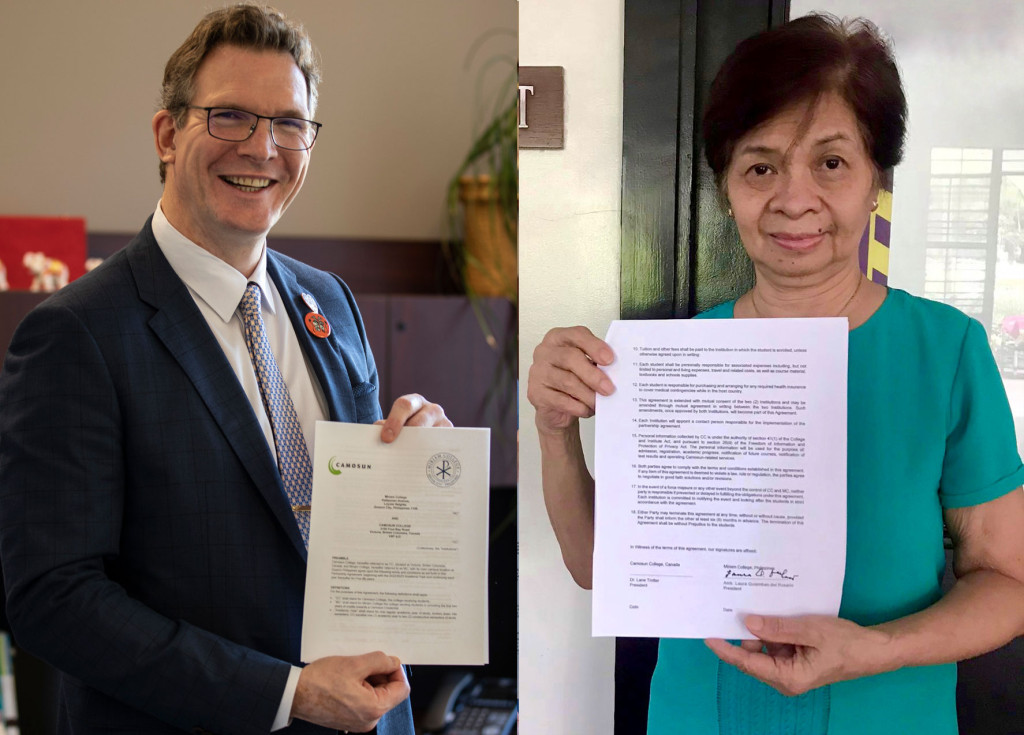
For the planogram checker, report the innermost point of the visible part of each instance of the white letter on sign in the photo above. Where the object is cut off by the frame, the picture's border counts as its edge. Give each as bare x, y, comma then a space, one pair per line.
523, 89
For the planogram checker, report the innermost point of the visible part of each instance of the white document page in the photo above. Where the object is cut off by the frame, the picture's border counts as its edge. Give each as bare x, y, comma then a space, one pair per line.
721, 475
398, 545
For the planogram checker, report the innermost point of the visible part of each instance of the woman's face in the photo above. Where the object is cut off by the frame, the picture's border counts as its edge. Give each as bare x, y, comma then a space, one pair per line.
801, 187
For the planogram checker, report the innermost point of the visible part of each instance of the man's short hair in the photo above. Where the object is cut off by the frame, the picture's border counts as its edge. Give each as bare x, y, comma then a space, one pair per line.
257, 27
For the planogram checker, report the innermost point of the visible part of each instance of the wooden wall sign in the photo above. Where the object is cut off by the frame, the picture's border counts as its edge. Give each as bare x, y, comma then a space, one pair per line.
541, 107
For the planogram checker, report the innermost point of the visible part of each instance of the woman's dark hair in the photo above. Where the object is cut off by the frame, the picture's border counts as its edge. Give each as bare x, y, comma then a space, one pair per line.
797, 63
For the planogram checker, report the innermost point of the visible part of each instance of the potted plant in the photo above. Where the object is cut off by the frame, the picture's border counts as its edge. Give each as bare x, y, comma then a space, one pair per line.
483, 208
482, 203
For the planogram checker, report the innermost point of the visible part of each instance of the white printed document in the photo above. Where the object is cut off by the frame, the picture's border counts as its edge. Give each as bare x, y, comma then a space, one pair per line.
398, 545
721, 475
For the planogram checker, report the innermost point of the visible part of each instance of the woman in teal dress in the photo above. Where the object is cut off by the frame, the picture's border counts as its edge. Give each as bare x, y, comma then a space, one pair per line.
800, 123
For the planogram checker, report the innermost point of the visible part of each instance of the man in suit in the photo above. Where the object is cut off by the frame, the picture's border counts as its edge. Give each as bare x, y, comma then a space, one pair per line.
156, 422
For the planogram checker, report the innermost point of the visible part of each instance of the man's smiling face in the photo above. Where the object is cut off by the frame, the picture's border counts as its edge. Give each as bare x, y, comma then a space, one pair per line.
225, 196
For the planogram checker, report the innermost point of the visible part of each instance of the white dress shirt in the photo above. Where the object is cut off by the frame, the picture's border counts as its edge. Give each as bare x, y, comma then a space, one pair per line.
217, 288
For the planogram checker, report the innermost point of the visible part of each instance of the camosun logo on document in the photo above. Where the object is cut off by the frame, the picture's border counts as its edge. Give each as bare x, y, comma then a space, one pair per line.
443, 469
335, 466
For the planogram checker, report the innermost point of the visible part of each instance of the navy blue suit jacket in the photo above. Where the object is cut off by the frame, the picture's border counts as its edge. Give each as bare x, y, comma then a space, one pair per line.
148, 548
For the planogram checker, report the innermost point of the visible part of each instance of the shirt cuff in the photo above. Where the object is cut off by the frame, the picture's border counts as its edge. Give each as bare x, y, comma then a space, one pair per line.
284, 711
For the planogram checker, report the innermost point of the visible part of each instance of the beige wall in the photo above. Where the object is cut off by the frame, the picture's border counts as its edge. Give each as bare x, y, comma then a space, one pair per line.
80, 83
568, 274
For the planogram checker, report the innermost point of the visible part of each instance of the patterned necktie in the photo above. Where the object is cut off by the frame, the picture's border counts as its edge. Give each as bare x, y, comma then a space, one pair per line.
292, 455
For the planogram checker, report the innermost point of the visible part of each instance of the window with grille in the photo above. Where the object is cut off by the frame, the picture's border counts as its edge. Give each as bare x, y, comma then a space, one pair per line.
957, 259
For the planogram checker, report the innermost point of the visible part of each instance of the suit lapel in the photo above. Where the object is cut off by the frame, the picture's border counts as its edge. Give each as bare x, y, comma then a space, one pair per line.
180, 326
324, 354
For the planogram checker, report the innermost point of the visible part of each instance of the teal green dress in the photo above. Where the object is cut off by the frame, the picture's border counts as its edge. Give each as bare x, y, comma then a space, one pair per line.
929, 427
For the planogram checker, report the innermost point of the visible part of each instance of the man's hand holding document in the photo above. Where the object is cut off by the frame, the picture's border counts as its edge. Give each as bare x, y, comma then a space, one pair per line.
398, 545
720, 475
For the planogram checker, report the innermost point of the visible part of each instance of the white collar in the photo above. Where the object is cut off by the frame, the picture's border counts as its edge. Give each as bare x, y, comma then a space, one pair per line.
220, 285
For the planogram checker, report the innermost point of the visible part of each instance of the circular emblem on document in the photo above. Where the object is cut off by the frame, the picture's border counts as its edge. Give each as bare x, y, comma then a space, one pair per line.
444, 469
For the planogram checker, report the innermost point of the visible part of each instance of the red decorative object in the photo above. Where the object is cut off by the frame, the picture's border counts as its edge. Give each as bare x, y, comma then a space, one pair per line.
59, 239
317, 325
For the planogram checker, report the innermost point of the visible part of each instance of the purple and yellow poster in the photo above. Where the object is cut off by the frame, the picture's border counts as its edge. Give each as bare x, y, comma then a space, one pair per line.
874, 244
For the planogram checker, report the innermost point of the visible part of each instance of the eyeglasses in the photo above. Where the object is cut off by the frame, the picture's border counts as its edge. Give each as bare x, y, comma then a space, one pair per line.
290, 133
